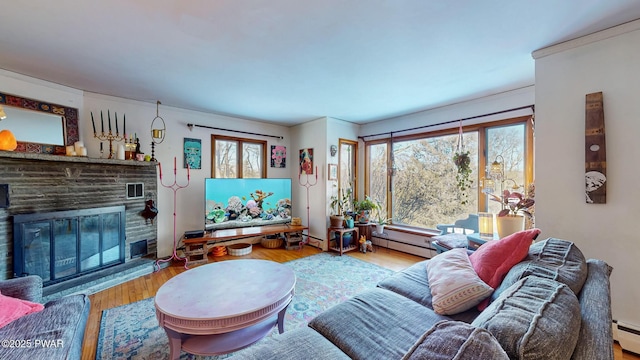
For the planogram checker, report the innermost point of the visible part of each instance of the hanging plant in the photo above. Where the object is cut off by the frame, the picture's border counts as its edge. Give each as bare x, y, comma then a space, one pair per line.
463, 162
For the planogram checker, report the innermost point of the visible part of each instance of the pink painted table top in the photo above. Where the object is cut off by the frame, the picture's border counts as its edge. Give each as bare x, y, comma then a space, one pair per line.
225, 289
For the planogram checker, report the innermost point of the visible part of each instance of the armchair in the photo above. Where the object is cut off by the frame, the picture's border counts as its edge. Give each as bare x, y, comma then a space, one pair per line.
455, 235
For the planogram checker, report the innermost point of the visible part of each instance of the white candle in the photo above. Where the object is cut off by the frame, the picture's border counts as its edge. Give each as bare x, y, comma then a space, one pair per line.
77, 146
70, 150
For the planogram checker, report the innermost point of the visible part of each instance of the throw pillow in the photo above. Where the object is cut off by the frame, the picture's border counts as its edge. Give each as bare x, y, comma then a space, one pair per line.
455, 286
12, 309
493, 260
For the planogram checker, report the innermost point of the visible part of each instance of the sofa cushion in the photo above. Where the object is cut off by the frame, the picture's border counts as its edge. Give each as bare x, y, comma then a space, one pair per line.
493, 260
455, 286
399, 321
12, 309
535, 318
456, 340
301, 343
61, 324
555, 259
413, 283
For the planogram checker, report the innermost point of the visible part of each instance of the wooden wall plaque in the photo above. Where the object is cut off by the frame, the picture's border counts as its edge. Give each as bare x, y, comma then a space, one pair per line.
595, 154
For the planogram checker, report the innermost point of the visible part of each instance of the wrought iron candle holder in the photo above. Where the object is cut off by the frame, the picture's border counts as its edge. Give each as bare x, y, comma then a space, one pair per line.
110, 137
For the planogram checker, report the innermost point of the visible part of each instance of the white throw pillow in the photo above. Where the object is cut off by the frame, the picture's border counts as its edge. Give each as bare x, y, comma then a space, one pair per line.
455, 286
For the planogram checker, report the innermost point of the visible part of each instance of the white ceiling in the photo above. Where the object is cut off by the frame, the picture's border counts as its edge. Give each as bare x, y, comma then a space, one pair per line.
290, 61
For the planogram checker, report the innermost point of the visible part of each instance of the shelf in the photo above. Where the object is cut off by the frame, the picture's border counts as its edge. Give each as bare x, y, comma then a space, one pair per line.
344, 250
74, 159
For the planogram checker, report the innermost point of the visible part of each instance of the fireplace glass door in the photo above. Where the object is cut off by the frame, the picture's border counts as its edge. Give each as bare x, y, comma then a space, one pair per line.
61, 245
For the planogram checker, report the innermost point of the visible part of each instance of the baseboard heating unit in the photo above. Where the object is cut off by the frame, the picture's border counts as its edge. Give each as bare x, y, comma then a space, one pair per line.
628, 336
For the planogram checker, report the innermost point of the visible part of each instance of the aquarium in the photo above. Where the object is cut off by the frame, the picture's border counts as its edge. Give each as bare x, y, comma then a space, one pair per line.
231, 203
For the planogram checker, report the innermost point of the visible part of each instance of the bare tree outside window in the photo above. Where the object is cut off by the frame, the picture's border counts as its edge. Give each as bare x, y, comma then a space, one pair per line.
424, 185
238, 158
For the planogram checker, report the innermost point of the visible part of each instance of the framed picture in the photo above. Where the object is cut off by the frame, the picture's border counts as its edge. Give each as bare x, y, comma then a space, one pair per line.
333, 172
278, 156
306, 161
192, 153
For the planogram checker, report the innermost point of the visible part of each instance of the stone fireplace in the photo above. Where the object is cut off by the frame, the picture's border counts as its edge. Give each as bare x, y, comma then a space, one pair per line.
55, 191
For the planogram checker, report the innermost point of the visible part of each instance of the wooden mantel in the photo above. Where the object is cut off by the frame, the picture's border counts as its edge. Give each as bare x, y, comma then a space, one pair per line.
73, 159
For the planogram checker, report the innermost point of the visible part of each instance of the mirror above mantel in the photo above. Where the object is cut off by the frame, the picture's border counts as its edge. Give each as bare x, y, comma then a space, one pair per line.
25, 115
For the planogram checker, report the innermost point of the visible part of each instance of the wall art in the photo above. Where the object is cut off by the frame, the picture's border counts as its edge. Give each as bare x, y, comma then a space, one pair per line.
306, 161
193, 153
278, 156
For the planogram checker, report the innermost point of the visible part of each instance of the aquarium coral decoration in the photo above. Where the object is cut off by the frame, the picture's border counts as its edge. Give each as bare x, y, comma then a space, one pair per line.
258, 196
256, 208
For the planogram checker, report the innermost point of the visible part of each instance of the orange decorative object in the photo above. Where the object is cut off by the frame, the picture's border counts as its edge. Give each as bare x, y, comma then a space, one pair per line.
7, 140
219, 251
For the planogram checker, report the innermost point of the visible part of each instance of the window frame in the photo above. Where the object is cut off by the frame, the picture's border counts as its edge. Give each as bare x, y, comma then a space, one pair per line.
239, 154
481, 128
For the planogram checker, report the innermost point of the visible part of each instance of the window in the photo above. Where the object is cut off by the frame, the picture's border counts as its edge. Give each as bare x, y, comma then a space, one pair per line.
347, 166
238, 158
414, 176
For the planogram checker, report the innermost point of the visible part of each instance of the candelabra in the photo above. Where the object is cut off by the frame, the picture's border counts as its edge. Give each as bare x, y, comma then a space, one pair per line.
308, 184
110, 137
175, 187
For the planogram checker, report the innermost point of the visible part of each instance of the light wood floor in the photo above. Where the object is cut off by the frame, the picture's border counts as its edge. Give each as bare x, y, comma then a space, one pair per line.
146, 286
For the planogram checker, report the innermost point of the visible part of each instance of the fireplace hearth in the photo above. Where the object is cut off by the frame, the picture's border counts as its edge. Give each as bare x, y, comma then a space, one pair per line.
63, 245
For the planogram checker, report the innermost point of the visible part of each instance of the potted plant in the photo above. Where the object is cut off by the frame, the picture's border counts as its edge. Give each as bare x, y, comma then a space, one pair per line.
515, 207
363, 209
463, 164
339, 206
380, 218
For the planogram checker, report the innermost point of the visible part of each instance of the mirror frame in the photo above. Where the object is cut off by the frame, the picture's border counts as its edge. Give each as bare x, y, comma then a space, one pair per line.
70, 123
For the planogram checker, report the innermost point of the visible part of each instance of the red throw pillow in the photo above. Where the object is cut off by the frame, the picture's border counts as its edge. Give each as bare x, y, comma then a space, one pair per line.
12, 309
493, 260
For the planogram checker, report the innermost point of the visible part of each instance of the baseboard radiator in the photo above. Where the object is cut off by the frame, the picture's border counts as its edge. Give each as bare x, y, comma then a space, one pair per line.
627, 335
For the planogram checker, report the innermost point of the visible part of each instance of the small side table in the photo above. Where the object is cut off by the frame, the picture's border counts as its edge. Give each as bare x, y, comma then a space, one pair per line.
342, 231
365, 229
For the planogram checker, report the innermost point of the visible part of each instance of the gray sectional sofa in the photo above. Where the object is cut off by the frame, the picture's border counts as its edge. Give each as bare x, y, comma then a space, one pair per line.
554, 304
56, 332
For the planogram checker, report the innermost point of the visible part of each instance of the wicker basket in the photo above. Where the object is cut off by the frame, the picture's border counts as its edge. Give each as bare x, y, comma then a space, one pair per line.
272, 243
239, 249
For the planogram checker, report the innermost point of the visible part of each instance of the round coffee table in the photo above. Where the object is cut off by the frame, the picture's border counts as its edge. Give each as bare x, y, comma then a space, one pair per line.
225, 306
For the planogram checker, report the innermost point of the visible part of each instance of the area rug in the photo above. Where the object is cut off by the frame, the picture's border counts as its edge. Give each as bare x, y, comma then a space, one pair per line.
132, 332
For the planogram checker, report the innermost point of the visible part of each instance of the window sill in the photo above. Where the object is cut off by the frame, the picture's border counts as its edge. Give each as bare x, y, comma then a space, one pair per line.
413, 230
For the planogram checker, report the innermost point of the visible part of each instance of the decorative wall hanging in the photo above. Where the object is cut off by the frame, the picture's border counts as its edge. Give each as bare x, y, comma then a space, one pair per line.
158, 131
192, 153
306, 161
333, 172
278, 156
595, 155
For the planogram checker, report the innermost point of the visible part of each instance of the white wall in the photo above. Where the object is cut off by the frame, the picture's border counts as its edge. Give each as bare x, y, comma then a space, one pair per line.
606, 231
305, 136
486, 105
24, 86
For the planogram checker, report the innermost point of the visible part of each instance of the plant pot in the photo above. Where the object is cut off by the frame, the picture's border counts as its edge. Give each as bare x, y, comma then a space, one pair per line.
346, 240
508, 225
379, 229
336, 221
363, 217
